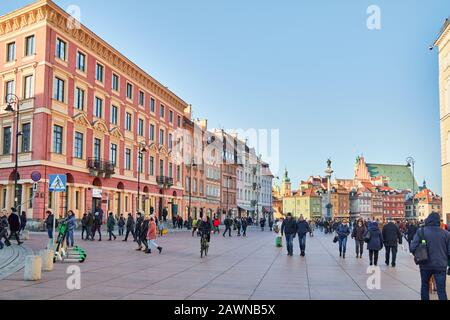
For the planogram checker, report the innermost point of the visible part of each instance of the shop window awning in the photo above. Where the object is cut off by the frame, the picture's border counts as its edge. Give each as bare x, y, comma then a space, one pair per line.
246, 208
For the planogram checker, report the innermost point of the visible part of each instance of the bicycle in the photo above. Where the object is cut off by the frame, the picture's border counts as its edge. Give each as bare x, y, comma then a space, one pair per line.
204, 245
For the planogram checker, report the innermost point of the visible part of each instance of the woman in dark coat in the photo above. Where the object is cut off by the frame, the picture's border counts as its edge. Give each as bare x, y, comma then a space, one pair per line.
23, 221
358, 234
14, 226
374, 242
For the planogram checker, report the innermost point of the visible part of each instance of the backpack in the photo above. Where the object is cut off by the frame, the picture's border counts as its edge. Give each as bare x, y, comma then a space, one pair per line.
421, 253
367, 236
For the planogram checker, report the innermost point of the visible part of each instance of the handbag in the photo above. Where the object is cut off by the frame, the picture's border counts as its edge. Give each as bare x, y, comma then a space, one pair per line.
367, 236
421, 253
336, 239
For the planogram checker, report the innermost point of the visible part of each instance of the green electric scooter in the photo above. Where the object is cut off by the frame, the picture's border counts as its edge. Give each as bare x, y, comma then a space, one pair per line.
62, 252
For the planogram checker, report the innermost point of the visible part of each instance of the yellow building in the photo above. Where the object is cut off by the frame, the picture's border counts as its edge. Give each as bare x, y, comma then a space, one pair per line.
443, 44
306, 203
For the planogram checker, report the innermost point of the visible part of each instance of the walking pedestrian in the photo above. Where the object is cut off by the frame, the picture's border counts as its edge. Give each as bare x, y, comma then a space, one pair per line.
4, 229
262, 223
343, 231
216, 224
121, 224
411, 231
49, 224
143, 234
238, 225
392, 238
98, 222
289, 228
161, 226
437, 242
71, 222
374, 239
84, 226
23, 221
138, 228
228, 223
302, 230
130, 227
151, 236
110, 223
270, 224
244, 226
194, 225
358, 234
14, 226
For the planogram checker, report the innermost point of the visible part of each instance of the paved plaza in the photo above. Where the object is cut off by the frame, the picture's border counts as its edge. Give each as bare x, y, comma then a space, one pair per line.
236, 268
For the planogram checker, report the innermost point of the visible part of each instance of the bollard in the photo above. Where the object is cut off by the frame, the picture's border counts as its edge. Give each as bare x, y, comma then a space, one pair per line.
25, 235
50, 244
47, 259
33, 265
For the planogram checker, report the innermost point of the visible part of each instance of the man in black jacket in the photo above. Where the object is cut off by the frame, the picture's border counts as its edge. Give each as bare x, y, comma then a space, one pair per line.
302, 230
138, 228
289, 228
49, 223
392, 238
438, 247
130, 228
14, 226
228, 222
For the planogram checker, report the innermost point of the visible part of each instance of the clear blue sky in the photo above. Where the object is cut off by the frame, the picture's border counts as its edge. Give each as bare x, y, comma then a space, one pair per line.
309, 68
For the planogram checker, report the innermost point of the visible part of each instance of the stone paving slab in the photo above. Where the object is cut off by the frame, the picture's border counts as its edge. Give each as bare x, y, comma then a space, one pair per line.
236, 269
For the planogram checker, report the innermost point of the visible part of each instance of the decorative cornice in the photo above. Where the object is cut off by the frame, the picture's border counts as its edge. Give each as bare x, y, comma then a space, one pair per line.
58, 19
115, 132
100, 126
81, 119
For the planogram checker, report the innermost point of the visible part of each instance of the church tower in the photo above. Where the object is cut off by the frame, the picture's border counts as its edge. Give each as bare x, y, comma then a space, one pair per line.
286, 185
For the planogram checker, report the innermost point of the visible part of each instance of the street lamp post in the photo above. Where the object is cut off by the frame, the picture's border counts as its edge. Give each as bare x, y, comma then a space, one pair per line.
192, 164
142, 149
410, 163
228, 194
11, 99
328, 173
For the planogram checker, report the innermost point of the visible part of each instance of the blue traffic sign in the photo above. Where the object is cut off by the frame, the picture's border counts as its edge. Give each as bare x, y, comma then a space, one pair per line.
36, 176
57, 182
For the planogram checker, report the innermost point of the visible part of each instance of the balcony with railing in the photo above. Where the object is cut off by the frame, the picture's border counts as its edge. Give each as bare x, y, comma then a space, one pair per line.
164, 182
100, 168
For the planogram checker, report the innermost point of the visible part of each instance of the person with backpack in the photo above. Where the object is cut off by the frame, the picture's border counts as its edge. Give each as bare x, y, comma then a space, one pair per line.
358, 234
392, 238
110, 223
121, 224
130, 225
374, 239
434, 245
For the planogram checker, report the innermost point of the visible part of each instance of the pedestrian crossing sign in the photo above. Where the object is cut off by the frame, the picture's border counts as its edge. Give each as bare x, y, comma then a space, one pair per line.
57, 182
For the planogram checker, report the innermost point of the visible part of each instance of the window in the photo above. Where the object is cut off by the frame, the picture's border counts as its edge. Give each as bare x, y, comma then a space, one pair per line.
127, 159
170, 141
194, 185
57, 139
61, 48
29, 46
141, 98
130, 91
152, 105
178, 173
78, 147
188, 184
170, 170
97, 148
201, 187
6, 140
128, 121
152, 166
140, 127
10, 88
11, 52
140, 162
28, 87
98, 107
161, 111
113, 154
179, 121
170, 116
161, 167
77, 200
58, 90
114, 114
81, 61
99, 72
115, 82
152, 132
79, 98
161, 136
26, 134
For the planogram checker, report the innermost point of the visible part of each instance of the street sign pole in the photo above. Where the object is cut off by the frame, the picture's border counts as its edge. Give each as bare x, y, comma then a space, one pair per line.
54, 218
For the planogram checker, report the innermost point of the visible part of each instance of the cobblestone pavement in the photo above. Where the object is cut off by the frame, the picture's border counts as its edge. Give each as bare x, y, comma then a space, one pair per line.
236, 268
12, 259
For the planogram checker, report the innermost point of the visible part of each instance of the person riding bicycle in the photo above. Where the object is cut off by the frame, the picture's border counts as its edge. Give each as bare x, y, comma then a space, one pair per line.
204, 227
